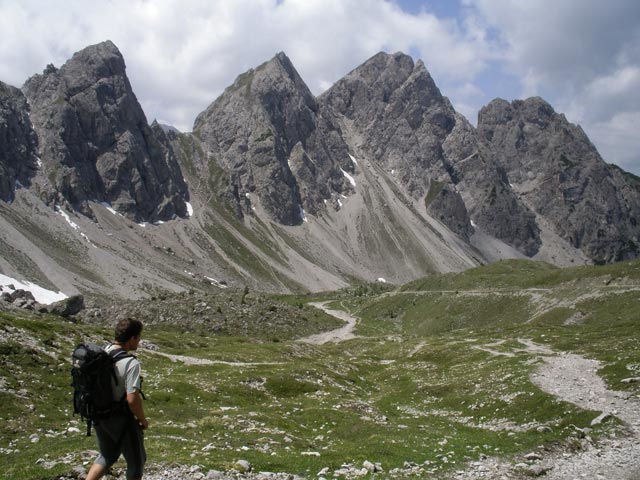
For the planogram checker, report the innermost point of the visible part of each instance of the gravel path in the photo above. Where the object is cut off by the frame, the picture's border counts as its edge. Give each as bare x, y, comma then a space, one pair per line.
574, 379
338, 335
205, 361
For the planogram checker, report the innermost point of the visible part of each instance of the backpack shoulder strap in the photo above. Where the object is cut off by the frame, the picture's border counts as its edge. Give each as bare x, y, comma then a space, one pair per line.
118, 354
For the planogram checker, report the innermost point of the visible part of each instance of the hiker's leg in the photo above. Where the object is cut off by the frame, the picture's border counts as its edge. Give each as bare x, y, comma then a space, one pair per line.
133, 450
96, 471
107, 445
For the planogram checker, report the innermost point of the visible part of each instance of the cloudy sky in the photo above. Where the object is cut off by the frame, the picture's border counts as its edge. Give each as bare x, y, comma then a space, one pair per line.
583, 56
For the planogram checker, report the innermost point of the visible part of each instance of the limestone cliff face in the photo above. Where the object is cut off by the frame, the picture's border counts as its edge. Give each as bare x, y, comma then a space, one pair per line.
265, 130
492, 204
562, 178
18, 142
408, 127
400, 120
400, 114
95, 142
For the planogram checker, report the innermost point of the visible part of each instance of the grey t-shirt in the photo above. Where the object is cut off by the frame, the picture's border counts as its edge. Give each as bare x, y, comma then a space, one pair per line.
128, 374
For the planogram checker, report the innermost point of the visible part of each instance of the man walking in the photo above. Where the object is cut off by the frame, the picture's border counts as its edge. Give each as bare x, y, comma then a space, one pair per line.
121, 433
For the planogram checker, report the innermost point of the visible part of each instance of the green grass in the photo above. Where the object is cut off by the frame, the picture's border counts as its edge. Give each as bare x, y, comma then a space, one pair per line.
518, 274
412, 387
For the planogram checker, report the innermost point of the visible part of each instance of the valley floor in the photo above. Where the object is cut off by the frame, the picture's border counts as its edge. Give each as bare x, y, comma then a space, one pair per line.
569, 377
510, 371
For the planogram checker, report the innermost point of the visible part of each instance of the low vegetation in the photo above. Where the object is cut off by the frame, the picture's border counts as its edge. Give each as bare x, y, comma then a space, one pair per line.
437, 376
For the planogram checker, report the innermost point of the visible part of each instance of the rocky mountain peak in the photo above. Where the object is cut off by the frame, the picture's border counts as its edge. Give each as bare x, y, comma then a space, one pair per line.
562, 178
265, 130
385, 68
379, 177
92, 64
285, 62
401, 117
95, 141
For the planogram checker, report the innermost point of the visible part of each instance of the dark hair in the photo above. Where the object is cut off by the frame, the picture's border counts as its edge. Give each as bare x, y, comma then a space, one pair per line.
127, 328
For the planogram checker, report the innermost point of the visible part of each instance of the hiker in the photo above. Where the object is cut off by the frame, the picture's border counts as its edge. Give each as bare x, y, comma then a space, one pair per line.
121, 432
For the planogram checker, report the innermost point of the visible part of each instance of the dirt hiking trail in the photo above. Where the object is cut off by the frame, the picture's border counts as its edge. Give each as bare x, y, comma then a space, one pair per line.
573, 378
338, 335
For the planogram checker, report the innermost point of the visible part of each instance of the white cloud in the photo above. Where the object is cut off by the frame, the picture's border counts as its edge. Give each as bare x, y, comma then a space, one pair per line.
181, 54
611, 94
581, 55
617, 139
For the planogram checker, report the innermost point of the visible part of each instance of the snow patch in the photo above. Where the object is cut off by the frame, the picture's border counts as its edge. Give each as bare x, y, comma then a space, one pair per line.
189, 209
349, 177
64, 215
73, 225
216, 283
303, 215
42, 295
473, 224
87, 239
110, 208
355, 162
381, 280
39, 162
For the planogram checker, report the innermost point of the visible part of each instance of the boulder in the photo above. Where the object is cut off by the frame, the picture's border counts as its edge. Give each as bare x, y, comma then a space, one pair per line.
603, 417
22, 295
242, 466
68, 306
630, 380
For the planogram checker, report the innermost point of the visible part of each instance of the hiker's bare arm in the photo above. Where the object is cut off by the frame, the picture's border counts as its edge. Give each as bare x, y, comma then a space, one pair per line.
135, 405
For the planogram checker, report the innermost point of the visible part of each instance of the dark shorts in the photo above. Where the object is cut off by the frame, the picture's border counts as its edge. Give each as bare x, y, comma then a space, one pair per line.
117, 435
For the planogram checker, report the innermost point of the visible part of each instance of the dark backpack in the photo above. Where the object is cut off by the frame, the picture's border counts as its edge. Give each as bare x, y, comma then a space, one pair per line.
92, 372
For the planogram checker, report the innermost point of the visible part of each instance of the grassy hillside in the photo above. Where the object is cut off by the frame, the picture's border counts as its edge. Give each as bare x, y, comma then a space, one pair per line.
437, 377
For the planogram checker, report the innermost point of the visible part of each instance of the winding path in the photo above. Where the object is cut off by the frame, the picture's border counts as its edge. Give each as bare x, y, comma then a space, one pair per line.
205, 361
338, 335
567, 376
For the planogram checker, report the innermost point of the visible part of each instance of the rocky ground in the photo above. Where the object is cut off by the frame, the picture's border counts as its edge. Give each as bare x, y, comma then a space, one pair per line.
569, 377
574, 379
